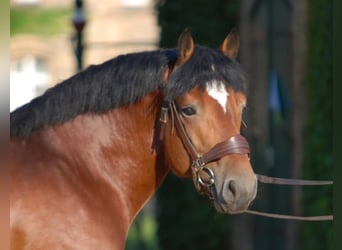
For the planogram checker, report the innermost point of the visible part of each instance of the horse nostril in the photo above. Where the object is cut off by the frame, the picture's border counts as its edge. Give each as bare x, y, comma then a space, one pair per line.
232, 187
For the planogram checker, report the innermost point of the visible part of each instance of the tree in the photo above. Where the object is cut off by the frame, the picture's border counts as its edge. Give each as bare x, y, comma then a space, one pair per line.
318, 151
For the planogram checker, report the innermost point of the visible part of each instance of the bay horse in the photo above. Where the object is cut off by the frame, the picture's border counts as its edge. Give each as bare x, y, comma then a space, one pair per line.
87, 154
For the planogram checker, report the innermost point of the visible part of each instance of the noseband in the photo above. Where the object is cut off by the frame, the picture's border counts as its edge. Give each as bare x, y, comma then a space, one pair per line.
236, 144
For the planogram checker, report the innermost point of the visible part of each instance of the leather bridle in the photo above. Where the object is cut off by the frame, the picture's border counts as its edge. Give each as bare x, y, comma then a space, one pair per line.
236, 144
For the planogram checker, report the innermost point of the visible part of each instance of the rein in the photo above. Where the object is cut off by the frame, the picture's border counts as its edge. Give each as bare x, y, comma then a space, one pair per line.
236, 144
291, 182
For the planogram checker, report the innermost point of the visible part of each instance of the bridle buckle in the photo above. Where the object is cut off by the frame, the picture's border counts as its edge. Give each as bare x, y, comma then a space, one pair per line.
200, 169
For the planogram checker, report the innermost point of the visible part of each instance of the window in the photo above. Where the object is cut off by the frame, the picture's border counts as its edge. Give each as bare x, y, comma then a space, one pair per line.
28, 79
135, 3
26, 2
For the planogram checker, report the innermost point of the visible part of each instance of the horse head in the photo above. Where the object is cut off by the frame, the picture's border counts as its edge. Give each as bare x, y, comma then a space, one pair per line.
203, 138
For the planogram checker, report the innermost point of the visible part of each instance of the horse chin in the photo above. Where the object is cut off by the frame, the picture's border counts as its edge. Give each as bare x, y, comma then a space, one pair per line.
228, 209
225, 205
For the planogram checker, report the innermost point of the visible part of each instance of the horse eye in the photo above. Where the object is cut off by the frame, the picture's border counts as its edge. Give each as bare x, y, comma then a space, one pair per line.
189, 111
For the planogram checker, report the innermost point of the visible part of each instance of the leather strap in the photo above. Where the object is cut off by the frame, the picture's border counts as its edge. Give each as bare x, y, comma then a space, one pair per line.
293, 182
236, 144
187, 143
291, 217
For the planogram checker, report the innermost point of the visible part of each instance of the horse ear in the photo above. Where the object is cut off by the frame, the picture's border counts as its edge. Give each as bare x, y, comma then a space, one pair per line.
186, 47
230, 45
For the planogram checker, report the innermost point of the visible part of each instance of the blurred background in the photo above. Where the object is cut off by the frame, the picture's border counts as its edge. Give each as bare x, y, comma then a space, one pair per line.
286, 50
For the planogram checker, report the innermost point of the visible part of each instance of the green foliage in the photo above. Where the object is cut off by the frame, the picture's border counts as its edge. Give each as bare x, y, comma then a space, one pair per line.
318, 150
41, 21
142, 234
186, 219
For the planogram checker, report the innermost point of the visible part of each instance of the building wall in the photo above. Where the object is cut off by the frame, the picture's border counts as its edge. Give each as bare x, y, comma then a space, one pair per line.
113, 27
119, 28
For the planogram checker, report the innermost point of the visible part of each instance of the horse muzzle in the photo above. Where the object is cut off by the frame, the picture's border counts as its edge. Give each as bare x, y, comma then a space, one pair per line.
234, 195
230, 186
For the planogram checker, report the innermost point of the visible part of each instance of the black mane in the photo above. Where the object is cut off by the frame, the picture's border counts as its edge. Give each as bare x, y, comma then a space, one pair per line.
99, 88
122, 81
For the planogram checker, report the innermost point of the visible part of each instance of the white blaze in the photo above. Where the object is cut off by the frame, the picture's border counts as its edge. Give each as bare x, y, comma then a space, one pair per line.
218, 91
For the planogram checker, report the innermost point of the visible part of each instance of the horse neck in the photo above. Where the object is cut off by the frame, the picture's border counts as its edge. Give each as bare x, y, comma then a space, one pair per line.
117, 148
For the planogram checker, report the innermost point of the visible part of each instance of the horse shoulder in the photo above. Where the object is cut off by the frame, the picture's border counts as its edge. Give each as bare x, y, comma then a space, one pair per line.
49, 210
